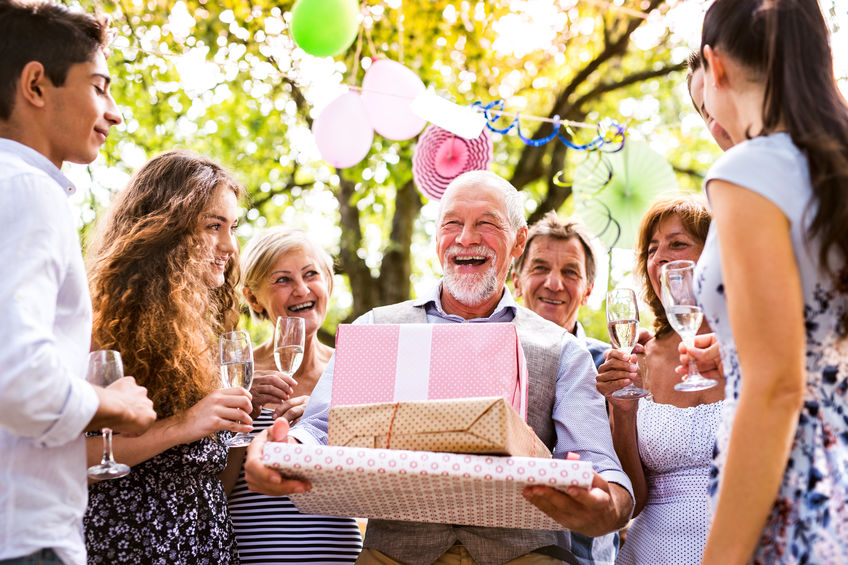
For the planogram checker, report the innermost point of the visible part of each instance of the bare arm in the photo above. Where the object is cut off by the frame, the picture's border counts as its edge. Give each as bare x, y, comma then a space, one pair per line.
615, 373
225, 409
235, 461
765, 304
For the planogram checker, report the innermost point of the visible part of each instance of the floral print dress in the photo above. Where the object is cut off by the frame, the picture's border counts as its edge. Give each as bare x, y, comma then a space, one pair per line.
809, 520
170, 509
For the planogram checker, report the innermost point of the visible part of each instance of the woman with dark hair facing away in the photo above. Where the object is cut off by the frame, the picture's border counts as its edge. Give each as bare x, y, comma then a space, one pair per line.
163, 274
773, 283
664, 442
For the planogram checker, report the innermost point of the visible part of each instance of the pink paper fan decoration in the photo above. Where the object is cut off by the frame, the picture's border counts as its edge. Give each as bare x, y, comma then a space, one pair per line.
441, 156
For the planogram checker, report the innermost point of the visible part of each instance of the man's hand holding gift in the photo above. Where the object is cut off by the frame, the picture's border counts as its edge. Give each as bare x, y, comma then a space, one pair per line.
266, 480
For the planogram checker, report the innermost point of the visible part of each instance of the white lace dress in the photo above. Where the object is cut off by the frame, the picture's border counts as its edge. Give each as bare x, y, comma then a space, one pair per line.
676, 446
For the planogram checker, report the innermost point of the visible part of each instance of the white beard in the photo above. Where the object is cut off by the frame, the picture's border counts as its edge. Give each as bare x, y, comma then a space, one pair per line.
471, 288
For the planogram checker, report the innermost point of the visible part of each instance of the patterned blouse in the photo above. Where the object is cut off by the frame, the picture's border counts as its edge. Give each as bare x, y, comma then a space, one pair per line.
809, 520
170, 509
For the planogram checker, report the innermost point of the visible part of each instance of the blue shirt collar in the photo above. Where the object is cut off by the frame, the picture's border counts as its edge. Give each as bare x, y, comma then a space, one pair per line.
35, 159
433, 300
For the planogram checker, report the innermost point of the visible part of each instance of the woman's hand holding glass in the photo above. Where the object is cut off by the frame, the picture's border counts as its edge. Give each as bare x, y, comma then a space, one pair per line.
225, 409
685, 316
237, 371
270, 387
705, 353
619, 370
623, 325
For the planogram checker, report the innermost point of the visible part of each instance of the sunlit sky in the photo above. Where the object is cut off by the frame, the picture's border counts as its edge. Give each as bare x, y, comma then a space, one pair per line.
532, 25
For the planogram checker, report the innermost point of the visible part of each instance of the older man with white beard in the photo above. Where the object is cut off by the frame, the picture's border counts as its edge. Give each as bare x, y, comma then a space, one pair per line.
480, 229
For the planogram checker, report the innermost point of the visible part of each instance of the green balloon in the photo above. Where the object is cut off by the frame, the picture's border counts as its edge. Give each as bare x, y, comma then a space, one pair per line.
325, 28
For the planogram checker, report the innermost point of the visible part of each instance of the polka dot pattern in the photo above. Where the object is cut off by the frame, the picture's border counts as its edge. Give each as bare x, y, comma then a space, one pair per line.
470, 425
469, 360
466, 361
365, 363
421, 486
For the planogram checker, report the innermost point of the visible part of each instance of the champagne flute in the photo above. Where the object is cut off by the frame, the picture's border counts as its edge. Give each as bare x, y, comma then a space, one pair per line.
104, 368
237, 370
684, 315
623, 326
289, 337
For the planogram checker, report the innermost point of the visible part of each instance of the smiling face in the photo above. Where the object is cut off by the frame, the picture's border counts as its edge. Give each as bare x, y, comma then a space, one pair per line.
294, 286
216, 229
670, 241
696, 91
553, 280
80, 112
475, 244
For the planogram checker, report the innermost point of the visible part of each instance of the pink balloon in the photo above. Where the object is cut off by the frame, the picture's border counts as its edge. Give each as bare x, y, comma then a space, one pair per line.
342, 131
387, 93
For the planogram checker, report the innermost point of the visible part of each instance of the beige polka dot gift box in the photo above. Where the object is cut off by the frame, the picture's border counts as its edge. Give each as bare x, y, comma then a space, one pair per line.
466, 425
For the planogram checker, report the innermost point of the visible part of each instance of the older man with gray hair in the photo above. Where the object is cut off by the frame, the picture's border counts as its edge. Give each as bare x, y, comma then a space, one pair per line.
555, 275
480, 230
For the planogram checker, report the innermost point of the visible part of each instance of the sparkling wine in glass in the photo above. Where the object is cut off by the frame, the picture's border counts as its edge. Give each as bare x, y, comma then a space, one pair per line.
684, 315
237, 370
623, 326
104, 368
289, 338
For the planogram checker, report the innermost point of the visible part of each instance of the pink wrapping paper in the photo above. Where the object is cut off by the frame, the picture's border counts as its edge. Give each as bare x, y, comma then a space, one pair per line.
421, 486
405, 362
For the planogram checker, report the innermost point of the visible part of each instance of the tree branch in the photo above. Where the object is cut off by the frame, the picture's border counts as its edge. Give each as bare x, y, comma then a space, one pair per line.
361, 281
530, 163
605, 87
296, 92
691, 172
395, 269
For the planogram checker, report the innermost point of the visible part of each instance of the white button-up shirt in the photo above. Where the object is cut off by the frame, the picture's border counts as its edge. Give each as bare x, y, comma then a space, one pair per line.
45, 332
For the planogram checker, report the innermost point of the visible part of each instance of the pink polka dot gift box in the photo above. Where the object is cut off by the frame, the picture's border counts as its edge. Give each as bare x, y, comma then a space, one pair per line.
422, 486
404, 362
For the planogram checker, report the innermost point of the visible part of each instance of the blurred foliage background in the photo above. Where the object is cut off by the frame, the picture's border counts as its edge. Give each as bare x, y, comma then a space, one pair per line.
224, 78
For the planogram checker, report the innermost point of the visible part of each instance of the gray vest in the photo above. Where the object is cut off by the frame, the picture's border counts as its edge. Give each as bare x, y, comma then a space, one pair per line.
422, 543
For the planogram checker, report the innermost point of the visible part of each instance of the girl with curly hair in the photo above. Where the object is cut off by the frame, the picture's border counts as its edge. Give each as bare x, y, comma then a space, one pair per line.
163, 273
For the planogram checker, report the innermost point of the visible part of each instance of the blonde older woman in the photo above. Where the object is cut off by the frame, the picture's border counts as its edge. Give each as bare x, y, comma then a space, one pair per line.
287, 274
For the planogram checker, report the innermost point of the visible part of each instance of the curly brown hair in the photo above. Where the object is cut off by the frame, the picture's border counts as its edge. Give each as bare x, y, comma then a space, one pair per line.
146, 274
695, 217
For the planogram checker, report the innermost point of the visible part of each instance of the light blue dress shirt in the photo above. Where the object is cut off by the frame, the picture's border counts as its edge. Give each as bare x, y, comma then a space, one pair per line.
45, 332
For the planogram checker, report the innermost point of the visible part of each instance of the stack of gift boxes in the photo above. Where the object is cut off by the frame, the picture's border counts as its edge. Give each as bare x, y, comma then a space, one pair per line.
427, 423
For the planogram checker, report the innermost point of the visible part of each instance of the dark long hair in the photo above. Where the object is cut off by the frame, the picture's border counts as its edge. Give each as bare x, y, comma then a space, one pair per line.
786, 44
146, 275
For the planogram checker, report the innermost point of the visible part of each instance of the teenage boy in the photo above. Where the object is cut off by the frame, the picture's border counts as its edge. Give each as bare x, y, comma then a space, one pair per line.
55, 106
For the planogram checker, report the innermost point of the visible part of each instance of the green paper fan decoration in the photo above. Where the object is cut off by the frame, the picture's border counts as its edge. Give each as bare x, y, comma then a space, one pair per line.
612, 191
